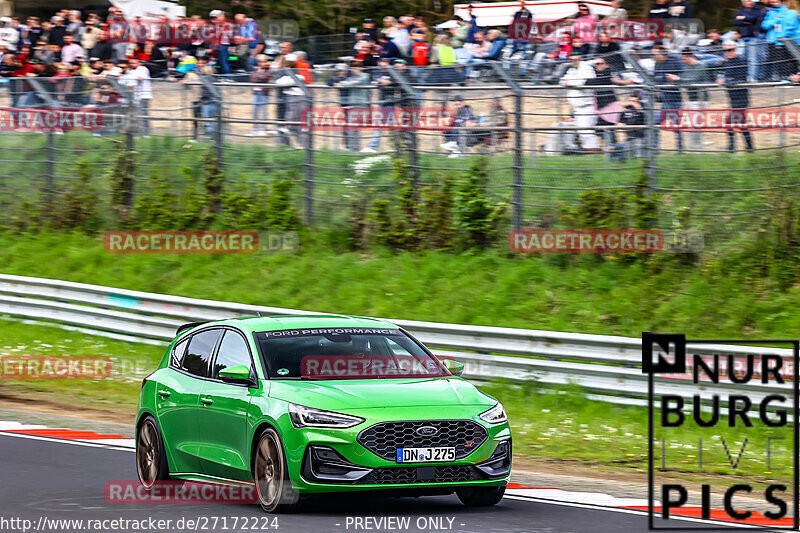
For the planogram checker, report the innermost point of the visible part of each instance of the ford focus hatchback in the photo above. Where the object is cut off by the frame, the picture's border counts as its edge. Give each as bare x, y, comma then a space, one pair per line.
318, 404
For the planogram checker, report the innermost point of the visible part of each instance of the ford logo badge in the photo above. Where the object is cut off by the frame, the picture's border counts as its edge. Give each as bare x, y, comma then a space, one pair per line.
427, 431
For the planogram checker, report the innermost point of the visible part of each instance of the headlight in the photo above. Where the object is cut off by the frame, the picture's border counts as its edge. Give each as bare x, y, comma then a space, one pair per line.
303, 417
495, 415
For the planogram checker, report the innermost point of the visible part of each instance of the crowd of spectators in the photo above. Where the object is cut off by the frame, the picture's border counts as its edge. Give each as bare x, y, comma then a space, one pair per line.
86, 58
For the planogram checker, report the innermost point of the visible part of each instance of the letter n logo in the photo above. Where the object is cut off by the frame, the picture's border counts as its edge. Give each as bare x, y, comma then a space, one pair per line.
663, 353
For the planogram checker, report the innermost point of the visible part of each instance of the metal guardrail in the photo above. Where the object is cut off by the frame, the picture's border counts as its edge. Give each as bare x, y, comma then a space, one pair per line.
607, 366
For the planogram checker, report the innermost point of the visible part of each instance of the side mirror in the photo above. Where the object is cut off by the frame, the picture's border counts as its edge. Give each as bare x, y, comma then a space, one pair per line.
236, 374
453, 366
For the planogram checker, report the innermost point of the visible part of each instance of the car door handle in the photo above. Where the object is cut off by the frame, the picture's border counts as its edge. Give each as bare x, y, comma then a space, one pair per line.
206, 401
164, 393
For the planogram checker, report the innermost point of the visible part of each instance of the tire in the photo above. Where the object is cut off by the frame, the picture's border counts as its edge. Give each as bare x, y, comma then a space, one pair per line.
481, 496
151, 456
271, 475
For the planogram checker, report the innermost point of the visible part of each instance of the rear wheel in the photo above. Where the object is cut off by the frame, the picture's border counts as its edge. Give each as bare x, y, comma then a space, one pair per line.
151, 458
481, 496
274, 488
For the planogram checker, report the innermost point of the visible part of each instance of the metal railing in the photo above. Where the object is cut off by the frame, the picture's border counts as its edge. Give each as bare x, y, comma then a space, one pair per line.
607, 367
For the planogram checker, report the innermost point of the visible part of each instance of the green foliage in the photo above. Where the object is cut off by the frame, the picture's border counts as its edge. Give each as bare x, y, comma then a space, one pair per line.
442, 215
165, 207
281, 214
78, 206
477, 217
122, 179
213, 178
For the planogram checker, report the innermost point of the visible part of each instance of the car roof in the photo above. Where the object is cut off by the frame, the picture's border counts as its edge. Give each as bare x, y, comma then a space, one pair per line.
277, 323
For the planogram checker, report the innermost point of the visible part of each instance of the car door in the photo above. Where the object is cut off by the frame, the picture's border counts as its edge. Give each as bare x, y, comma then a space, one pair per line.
178, 399
223, 415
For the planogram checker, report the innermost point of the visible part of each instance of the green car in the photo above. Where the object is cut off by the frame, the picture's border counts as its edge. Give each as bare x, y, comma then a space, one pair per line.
317, 404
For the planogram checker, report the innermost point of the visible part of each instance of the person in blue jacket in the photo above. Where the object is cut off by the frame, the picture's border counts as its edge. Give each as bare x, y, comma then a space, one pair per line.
734, 73
780, 23
748, 23
670, 98
473, 26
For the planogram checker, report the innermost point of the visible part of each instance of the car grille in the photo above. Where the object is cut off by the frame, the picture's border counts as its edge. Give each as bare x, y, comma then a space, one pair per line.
384, 438
441, 474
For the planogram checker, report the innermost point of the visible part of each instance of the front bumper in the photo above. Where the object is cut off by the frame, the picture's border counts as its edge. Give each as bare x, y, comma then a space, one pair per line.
348, 465
323, 465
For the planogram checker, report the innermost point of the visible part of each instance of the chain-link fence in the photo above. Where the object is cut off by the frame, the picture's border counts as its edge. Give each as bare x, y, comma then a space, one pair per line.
545, 143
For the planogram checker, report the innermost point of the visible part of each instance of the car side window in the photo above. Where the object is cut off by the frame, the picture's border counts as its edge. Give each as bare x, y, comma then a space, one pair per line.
232, 351
198, 353
176, 357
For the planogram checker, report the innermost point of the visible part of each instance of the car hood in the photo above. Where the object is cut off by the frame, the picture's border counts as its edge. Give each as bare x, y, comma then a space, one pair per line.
338, 395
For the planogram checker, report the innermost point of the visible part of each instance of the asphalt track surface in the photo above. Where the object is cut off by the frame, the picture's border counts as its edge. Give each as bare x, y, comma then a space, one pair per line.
63, 480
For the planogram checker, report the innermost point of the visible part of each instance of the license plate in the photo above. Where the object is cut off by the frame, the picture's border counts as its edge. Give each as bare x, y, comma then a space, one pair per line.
425, 455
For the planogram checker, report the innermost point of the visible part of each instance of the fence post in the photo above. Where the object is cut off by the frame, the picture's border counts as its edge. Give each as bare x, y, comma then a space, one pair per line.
408, 137
49, 173
308, 164
208, 85
516, 191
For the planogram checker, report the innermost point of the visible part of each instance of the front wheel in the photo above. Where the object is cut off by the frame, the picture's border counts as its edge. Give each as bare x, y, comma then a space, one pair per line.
481, 496
274, 488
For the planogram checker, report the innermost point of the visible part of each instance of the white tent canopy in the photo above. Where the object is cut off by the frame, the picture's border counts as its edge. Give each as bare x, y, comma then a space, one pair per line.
149, 8
501, 13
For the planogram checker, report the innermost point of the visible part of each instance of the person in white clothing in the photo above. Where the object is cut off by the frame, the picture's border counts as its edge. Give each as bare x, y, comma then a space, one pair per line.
582, 100
137, 77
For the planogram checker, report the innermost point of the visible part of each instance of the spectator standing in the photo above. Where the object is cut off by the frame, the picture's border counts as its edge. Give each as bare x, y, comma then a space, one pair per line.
680, 9
617, 11
9, 36
57, 32
386, 100
584, 25
747, 21
102, 47
137, 77
75, 24
303, 67
670, 98
357, 102
780, 22
224, 32
261, 75
694, 73
71, 50
734, 71
472, 26
295, 100
524, 17
91, 34
606, 103
205, 107
581, 100
32, 32
369, 31
659, 10
633, 115
610, 50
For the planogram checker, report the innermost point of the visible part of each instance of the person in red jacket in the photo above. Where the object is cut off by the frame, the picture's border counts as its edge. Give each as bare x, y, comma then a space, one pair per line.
303, 68
420, 49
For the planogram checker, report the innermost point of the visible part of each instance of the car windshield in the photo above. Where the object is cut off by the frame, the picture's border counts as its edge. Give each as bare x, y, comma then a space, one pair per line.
345, 353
